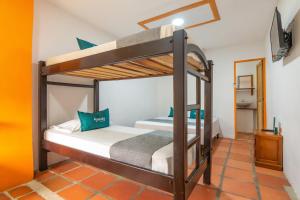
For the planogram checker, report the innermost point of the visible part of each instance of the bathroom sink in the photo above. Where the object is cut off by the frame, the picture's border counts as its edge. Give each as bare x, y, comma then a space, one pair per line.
243, 104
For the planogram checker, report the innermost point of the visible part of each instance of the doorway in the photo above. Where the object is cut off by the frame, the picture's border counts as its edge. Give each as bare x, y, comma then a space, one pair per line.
249, 97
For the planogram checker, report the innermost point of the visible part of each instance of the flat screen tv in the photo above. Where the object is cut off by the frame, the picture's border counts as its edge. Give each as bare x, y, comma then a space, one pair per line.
281, 41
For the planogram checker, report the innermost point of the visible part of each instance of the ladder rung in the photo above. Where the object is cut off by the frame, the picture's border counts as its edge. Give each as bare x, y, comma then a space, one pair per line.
197, 74
194, 141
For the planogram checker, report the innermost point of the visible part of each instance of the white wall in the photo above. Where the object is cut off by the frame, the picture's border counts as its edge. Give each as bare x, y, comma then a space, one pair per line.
164, 97
223, 59
129, 100
283, 95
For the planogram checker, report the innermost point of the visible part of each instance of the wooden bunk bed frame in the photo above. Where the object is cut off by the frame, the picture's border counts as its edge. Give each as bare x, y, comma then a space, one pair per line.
168, 56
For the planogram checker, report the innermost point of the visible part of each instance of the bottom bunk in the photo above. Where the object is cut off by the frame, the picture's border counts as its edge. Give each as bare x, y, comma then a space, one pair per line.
166, 124
98, 148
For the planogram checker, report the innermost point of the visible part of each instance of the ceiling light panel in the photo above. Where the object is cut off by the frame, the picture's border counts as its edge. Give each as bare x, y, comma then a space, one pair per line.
190, 17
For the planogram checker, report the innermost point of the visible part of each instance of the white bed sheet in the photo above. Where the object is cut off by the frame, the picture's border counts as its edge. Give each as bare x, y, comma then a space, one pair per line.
99, 141
169, 127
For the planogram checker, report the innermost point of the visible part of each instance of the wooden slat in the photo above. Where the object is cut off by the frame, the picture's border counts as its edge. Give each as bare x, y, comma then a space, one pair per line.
108, 72
195, 63
81, 76
164, 60
140, 68
87, 75
122, 69
168, 61
154, 65
100, 74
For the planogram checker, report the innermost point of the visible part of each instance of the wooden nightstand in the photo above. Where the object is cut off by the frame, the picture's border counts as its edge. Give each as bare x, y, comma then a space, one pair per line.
268, 150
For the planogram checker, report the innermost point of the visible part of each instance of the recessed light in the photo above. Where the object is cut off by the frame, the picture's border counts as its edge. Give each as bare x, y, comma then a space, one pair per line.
178, 22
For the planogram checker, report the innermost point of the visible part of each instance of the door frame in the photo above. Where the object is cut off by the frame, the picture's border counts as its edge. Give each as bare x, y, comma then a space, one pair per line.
263, 60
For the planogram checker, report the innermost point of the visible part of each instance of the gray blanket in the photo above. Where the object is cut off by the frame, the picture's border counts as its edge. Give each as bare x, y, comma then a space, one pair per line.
170, 121
138, 150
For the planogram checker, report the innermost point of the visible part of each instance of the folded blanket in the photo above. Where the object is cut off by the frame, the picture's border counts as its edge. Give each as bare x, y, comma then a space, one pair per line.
138, 150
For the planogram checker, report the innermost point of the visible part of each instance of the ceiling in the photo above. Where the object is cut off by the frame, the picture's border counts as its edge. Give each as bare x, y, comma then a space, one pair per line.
242, 21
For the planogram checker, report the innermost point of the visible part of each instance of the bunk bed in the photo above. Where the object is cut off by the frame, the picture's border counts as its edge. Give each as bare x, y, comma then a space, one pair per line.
158, 52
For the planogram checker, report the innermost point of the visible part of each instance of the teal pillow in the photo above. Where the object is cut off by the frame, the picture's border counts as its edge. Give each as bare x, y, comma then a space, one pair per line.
202, 114
171, 113
194, 112
96, 120
84, 44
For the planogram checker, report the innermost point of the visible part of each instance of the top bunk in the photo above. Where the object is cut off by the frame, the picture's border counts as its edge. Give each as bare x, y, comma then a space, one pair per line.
146, 54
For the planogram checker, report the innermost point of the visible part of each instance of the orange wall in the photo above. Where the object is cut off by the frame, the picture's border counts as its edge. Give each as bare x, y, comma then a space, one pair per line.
16, 162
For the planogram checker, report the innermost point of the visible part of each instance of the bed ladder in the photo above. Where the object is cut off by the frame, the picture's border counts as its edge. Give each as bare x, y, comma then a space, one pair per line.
184, 183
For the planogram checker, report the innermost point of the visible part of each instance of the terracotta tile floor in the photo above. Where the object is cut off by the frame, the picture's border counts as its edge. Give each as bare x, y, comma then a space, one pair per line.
234, 178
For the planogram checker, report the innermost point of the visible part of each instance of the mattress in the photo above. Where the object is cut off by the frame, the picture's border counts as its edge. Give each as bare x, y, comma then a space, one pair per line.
148, 124
99, 142
142, 37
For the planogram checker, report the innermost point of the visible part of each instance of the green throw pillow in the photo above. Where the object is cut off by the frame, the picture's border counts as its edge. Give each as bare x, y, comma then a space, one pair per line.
194, 112
84, 44
96, 120
171, 113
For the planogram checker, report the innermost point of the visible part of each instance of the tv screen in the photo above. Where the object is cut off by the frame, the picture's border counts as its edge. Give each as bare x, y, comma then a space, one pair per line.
280, 40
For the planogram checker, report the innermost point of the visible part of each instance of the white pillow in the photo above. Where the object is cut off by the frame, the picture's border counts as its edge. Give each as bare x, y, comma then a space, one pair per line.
69, 126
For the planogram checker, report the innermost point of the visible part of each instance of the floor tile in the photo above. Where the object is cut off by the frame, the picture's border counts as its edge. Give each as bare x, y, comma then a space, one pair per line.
42, 176
239, 174
228, 196
122, 190
20, 191
75, 192
31, 196
203, 193
223, 144
240, 151
225, 140
272, 181
149, 194
241, 145
241, 157
98, 197
4, 197
268, 193
239, 164
64, 166
79, 173
215, 181
99, 180
217, 169
220, 154
56, 183
269, 172
218, 161
224, 149
244, 189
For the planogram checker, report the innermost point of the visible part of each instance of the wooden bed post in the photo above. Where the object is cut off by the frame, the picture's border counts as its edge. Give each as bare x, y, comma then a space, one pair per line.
96, 96
43, 165
180, 126
208, 103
